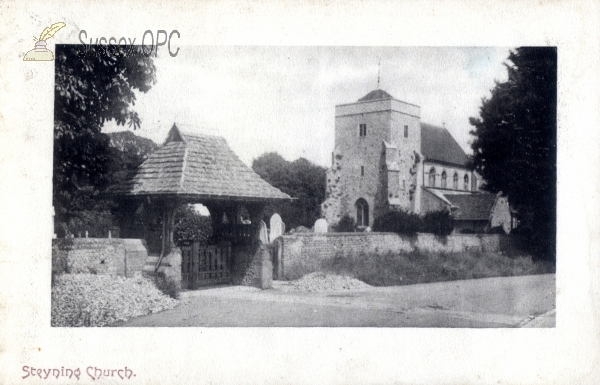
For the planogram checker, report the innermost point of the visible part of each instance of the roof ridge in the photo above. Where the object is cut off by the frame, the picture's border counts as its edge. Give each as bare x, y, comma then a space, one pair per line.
183, 167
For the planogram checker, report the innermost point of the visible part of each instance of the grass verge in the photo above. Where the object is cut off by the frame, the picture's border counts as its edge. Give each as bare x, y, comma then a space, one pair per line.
406, 269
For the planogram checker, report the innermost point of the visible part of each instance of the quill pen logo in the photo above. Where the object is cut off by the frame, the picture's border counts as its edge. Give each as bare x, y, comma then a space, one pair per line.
40, 52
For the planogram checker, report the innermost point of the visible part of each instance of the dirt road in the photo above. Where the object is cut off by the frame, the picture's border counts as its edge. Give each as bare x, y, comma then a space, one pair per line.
527, 301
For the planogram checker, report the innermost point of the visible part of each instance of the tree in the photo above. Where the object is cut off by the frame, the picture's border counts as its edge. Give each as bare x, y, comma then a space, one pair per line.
515, 140
300, 179
91, 89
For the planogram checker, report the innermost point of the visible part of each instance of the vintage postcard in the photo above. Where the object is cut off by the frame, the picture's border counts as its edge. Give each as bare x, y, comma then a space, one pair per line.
299, 193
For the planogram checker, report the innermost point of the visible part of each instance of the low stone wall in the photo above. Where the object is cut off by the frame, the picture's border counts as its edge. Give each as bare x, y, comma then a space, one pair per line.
303, 253
107, 256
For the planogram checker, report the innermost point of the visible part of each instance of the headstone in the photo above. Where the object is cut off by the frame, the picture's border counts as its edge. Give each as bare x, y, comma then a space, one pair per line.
277, 227
321, 226
263, 236
86, 234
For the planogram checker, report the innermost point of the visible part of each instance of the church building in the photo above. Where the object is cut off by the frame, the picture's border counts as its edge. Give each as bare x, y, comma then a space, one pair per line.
386, 159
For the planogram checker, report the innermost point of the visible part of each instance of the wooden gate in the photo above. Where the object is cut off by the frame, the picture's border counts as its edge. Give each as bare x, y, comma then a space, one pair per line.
205, 266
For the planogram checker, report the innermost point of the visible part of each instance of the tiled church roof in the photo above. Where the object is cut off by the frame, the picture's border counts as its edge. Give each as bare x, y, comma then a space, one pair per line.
438, 145
472, 206
197, 166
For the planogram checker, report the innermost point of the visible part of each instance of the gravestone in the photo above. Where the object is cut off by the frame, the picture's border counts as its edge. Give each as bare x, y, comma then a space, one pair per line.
277, 227
321, 226
263, 236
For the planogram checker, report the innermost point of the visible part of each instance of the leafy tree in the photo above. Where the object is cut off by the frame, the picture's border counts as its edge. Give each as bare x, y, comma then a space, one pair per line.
190, 226
515, 141
301, 179
90, 90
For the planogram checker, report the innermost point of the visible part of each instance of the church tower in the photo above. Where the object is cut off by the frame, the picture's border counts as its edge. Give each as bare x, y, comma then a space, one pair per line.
376, 159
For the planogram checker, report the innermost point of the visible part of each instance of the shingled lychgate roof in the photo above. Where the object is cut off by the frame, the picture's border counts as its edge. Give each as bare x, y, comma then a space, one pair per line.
438, 145
472, 206
199, 167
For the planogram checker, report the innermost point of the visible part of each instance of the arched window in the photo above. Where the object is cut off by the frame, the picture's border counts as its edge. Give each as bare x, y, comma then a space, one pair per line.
443, 179
362, 212
466, 181
455, 181
432, 177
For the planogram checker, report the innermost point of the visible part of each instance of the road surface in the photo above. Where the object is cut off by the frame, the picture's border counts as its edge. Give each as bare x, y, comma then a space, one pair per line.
527, 301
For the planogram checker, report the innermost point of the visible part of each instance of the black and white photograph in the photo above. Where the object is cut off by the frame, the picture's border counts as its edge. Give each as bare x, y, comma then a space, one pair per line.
319, 192
304, 186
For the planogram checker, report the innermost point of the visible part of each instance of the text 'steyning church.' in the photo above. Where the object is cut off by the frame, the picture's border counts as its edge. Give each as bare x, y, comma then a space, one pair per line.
385, 159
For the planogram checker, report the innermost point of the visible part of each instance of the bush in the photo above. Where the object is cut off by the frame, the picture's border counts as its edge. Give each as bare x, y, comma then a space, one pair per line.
497, 230
96, 223
167, 285
190, 226
438, 222
401, 222
346, 225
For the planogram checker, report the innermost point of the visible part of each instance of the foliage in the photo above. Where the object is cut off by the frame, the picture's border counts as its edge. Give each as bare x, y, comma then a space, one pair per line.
300, 179
190, 226
392, 269
167, 285
89, 91
515, 141
438, 222
400, 222
347, 224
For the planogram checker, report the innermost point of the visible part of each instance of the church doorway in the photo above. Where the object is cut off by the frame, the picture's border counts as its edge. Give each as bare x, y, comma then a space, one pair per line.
362, 212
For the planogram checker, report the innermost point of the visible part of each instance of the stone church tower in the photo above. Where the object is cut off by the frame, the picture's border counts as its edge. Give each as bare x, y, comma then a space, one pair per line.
376, 159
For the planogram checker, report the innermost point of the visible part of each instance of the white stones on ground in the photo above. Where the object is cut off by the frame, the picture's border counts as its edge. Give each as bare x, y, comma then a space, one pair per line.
99, 300
277, 227
319, 281
321, 226
263, 235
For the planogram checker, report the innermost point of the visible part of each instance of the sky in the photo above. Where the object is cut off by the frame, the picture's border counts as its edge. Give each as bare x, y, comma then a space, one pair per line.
282, 99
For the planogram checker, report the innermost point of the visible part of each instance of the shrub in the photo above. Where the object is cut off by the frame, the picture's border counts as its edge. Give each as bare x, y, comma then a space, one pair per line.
167, 285
438, 222
346, 225
497, 230
96, 223
401, 222
190, 226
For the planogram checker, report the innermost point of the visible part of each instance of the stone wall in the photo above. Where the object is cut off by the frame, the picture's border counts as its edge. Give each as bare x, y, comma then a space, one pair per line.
304, 253
252, 266
107, 256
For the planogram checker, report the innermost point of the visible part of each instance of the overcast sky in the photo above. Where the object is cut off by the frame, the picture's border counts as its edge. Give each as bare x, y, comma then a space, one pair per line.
283, 98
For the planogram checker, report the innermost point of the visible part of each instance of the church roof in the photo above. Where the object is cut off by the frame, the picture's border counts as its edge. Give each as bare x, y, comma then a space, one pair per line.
375, 95
439, 146
472, 206
199, 167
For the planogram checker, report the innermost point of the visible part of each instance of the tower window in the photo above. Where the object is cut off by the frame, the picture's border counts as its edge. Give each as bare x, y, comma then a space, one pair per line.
362, 128
362, 170
466, 182
443, 179
455, 181
406, 131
